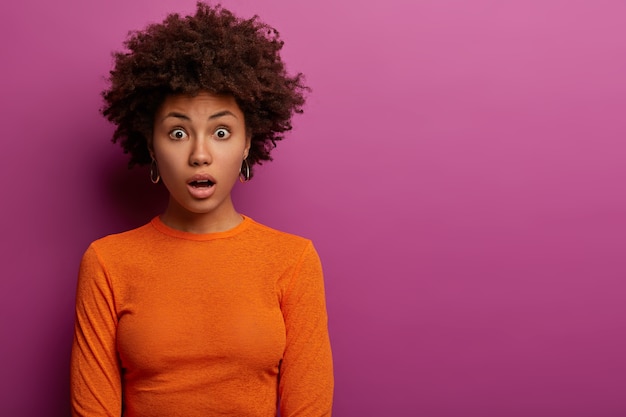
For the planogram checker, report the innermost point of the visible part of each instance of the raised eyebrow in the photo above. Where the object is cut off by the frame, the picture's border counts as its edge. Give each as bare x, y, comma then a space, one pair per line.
222, 114
176, 115
217, 115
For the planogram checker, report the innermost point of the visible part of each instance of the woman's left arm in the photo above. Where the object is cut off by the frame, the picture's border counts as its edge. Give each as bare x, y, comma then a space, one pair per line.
306, 372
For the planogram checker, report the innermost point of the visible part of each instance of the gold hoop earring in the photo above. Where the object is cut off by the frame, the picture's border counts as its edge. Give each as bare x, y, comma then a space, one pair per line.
155, 177
244, 172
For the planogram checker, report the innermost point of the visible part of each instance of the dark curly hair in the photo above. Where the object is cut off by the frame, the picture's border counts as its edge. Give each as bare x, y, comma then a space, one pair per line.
212, 51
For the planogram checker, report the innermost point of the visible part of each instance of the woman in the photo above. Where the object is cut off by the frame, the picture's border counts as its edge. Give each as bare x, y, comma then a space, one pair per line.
201, 312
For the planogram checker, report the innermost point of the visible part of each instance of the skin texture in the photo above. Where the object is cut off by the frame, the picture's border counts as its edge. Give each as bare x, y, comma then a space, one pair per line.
201, 135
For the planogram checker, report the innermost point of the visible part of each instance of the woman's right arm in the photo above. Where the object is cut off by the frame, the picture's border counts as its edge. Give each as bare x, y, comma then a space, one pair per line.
95, 374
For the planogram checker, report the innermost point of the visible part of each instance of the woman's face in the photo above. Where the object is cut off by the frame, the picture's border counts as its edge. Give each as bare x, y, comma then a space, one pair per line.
199, 144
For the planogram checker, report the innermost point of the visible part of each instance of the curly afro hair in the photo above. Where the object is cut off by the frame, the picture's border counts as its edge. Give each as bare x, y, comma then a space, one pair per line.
212, 51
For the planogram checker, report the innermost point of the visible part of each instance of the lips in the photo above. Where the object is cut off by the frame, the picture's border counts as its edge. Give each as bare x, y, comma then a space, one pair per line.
201, 183
201, 186
201, 180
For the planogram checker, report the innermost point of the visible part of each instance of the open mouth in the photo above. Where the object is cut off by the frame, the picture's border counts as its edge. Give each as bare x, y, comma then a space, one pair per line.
201, 184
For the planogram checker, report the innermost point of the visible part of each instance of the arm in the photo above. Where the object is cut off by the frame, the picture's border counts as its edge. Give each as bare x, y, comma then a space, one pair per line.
306, 373
95, 376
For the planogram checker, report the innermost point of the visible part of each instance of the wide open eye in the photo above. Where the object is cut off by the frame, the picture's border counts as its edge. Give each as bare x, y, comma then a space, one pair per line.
222, 133
178, 134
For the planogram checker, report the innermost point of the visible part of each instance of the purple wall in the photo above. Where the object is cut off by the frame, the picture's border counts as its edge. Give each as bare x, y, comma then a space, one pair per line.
460, 167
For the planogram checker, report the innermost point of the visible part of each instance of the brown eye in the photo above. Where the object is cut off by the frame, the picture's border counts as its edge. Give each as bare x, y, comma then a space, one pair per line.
222, 133
178, 134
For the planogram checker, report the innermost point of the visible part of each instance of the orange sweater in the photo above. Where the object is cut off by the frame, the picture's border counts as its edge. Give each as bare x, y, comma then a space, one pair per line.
170, 323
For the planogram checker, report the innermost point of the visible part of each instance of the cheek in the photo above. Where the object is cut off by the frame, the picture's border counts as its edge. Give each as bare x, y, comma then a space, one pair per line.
169, 164
234, 165
230, 157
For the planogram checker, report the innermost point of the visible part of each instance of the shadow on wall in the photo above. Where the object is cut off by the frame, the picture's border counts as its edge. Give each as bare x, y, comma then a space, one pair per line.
132, 198
56, 362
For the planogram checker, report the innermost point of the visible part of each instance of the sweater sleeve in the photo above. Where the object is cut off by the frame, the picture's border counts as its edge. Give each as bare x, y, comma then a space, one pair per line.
306, 373
95, 375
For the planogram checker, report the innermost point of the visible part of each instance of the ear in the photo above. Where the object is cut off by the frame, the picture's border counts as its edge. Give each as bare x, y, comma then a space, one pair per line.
246, 150
150, 148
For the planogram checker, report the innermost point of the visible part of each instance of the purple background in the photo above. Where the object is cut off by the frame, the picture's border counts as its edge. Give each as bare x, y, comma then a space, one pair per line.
460, 167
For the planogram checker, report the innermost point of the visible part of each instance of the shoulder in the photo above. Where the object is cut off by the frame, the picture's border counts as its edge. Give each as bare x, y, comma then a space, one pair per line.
292, 257
112, 255
123, 242
277, 239
280, 249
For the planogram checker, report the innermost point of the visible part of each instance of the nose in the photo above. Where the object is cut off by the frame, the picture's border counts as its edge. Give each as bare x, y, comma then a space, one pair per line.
200, 154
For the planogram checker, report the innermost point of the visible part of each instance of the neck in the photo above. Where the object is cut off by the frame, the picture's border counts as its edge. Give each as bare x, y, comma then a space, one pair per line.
201, 223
